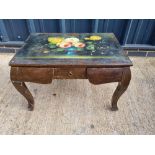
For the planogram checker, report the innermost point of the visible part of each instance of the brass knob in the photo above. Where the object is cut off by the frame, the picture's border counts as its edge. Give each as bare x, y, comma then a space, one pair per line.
70, 73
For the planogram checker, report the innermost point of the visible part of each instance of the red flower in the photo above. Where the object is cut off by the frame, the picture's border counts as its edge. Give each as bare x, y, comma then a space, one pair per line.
65, 45
80, 45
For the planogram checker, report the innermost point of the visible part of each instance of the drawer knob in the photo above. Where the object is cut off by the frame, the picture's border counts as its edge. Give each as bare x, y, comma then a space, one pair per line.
70, 73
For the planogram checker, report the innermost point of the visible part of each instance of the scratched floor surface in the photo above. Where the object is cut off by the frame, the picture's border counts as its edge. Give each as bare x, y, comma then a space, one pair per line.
77, 107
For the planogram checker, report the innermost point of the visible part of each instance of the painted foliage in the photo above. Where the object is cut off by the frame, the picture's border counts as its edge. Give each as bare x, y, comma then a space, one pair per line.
85, 45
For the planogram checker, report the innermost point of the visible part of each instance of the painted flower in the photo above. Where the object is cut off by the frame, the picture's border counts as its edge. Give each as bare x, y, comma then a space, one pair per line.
80, 45
55, 40
94, 38
87, 38
65, 45
72, 40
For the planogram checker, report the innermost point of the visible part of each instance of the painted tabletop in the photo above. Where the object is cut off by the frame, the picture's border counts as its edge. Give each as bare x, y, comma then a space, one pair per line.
71, 49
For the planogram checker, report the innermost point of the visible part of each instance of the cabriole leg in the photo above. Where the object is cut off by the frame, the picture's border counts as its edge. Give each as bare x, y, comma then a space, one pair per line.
121, 88
22, 88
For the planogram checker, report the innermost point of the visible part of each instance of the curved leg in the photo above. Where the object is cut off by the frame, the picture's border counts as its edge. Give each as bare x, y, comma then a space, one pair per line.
121, 88
22, 88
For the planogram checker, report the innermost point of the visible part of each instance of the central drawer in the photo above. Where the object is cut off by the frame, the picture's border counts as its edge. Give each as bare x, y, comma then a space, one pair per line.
69, 73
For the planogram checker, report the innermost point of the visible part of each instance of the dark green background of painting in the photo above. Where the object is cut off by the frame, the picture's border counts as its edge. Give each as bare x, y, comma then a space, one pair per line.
37, 47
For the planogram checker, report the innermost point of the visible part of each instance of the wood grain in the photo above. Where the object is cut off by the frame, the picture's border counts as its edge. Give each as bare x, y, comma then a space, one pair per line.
44, 75
22, 88
104, 75
32, 74
69, 73
121, 88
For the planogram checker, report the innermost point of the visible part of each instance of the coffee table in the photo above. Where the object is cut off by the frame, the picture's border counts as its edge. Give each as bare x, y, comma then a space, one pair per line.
97, 57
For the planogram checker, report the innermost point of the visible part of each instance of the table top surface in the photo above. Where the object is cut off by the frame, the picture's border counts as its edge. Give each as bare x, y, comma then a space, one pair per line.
71, 49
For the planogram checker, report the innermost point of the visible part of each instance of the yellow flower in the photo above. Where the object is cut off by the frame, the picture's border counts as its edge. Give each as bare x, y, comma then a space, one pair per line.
87, 38
55, 40
95, 38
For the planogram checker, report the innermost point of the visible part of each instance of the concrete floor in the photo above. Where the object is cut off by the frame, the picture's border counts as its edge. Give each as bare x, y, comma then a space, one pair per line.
78, 106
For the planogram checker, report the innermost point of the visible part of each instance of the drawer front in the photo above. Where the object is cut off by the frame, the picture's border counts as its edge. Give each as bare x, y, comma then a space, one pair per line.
104, 75
69, 73
32, 74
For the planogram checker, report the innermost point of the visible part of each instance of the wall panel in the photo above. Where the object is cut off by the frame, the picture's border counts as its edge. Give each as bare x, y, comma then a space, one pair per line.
128, 31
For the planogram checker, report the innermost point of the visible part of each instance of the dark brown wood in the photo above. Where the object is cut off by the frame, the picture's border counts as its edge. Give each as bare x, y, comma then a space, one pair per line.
32, 74
104, 75
121, 88
43, 75
22, 88
71, 63
69, 73
19, 75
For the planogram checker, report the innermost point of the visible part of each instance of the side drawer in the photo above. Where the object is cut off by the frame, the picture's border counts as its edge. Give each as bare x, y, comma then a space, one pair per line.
69, 73
104, 75
32, 74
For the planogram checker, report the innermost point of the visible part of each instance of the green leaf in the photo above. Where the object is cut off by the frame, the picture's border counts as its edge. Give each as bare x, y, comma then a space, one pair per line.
90, 47
52, 45
59, 49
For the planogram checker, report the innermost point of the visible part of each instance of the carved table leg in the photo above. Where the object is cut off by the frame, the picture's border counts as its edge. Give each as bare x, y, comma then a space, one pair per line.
121, 88
22, 88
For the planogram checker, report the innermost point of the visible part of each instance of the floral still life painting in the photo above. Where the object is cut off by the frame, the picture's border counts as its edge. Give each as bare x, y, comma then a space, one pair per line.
70, 45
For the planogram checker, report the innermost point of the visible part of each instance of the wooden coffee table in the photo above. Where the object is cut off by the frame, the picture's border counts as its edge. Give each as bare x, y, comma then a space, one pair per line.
47, 56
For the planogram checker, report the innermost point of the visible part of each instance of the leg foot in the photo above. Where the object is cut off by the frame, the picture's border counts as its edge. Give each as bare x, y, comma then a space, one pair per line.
22, 88
121, 88
30, 107
114, 108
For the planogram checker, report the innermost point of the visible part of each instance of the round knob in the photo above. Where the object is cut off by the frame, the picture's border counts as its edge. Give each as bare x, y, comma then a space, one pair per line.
70, 73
